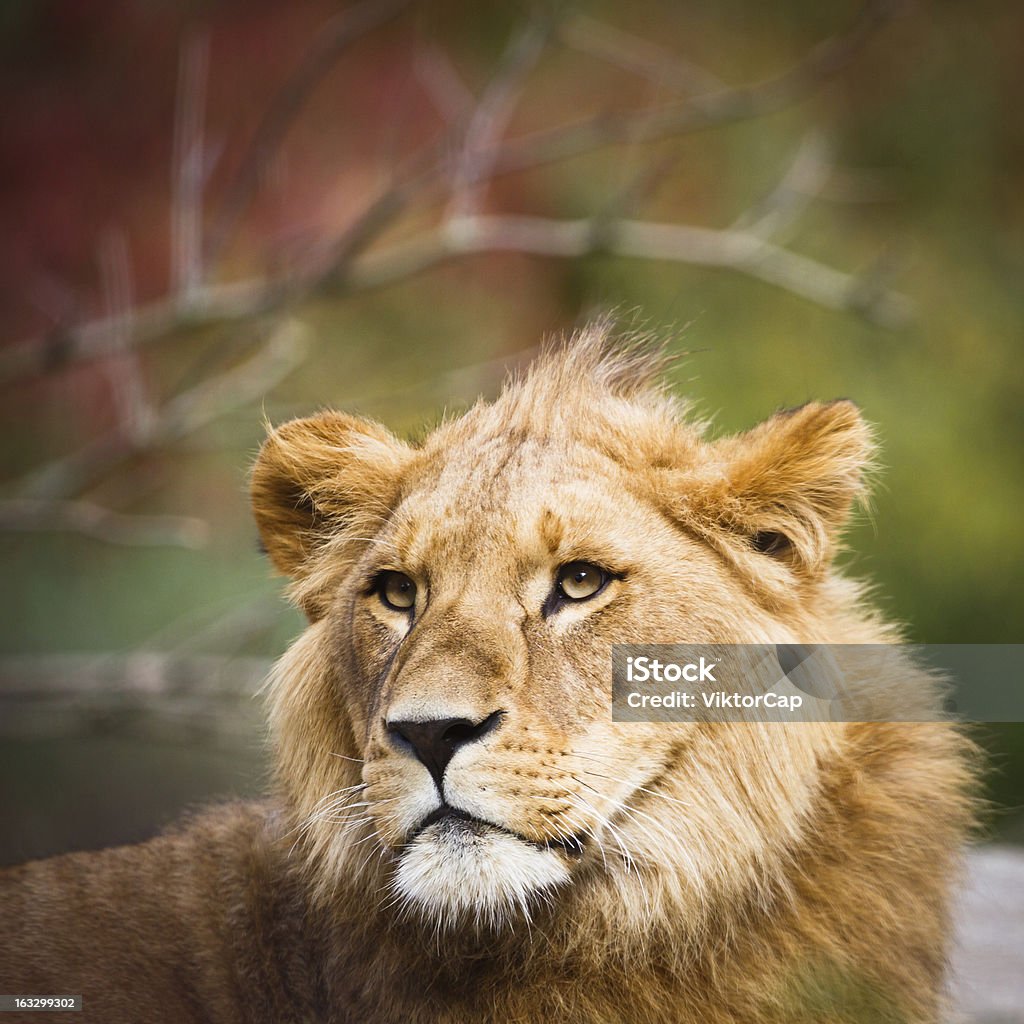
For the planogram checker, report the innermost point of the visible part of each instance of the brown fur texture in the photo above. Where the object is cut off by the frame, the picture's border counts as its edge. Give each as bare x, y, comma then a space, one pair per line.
594, 871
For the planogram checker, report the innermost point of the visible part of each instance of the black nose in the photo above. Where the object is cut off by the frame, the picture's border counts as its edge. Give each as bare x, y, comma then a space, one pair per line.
435, 741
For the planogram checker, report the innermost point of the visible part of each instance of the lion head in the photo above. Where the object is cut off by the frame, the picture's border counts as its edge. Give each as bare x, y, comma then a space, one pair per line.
443, 726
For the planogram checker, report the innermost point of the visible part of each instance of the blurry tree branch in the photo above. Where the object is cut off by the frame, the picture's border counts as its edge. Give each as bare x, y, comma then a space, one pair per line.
733, 249
491, 116
189, 164
636, 55
444, 85
805, 180
696, 113
433, 178
145, 691
182, 415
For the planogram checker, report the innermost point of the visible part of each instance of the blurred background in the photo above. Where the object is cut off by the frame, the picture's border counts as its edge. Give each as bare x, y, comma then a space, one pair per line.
218, 213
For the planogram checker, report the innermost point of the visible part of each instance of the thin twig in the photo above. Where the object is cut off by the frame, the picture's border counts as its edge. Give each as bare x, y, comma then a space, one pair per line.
803, 182
443, 84
724, 106
491, 117
462, 384
637, 56
188, 163
422, 175
186, 413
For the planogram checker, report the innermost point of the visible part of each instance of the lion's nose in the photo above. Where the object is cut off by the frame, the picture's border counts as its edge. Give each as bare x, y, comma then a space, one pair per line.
435, 741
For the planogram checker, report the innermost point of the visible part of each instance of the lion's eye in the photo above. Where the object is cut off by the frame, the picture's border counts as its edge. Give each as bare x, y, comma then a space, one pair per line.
396, 590
579, 580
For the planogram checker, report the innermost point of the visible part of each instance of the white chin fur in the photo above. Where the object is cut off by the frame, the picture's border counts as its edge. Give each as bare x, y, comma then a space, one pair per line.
451, 873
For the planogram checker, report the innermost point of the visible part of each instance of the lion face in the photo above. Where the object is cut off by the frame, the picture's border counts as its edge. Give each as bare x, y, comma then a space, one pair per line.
445, 727
482, 619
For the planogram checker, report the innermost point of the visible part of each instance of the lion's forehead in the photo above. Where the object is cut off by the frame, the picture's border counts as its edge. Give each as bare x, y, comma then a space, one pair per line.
512, 502
486, 465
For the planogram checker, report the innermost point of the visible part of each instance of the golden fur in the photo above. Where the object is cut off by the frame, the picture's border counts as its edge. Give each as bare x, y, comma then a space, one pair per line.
594, 871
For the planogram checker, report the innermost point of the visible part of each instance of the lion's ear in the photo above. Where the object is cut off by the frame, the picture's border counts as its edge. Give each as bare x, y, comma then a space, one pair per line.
320, 477
785, 489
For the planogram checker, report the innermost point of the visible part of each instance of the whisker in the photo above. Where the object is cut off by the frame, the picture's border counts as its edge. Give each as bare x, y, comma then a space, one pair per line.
628, 857
616, 835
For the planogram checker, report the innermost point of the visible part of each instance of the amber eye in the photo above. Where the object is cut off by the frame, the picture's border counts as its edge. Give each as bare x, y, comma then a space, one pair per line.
579, 580
396, 590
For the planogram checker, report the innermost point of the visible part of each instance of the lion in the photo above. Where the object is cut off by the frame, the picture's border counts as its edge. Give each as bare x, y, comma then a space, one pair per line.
460, 831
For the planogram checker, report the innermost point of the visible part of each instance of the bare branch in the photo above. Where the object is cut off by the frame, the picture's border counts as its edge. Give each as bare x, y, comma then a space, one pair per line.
285, 350
637, 56
36, 516
186, 413
333, 41
148, 693
443, 84
803, 182
154, 321
419, 180
462, 384
116, 276
188, 165
680, 243
492, 115
724, 106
